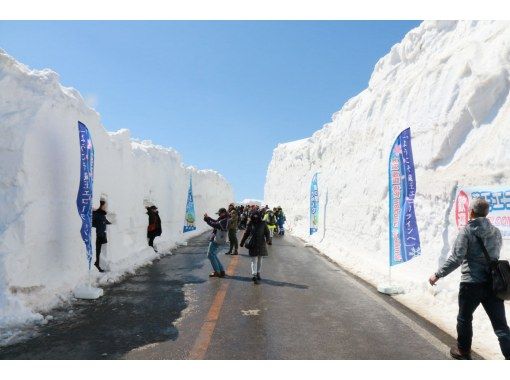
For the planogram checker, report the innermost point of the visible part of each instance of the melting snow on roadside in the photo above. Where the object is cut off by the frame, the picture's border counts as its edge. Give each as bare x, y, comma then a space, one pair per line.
449, 82
42, 256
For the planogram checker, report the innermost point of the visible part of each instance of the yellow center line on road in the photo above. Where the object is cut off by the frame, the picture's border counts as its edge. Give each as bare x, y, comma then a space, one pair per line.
204, 336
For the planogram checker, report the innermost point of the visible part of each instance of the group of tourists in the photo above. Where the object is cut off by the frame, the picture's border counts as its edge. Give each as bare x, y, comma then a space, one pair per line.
477, 247
258, 224
274, 218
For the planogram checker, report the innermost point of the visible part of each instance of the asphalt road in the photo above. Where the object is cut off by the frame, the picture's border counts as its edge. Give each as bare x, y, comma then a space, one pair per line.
305, 307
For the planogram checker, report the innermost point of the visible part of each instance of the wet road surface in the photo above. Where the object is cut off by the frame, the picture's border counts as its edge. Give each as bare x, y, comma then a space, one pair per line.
305, 307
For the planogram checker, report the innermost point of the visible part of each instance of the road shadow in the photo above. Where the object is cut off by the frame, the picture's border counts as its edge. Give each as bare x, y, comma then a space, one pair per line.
268, 282
139, 310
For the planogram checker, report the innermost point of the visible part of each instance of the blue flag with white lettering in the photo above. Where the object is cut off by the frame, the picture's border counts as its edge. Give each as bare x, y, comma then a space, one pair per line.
314, 205
190, 211
404, 236
84, 198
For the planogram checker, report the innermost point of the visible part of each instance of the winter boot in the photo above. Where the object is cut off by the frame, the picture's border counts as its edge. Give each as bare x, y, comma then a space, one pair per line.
96, 264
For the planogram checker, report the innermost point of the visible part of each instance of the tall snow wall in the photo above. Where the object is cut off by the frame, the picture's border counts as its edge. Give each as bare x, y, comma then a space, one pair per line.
42, 255
449, 82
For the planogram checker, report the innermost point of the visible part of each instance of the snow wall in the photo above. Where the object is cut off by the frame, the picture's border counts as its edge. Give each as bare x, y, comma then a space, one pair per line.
251, 202
449, 82
42, 255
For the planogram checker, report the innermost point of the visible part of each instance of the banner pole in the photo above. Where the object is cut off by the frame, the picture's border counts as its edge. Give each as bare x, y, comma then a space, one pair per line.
84, 204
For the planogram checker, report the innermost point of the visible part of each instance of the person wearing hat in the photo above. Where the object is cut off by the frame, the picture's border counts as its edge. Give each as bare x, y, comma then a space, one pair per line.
258, 233
218, 237
154, 227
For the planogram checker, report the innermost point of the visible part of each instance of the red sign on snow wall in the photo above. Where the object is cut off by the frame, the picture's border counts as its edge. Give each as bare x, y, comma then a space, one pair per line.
499, 201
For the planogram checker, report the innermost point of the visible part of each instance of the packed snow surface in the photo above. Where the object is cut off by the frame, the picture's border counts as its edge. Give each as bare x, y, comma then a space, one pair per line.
251, 202
42, 255
449, 82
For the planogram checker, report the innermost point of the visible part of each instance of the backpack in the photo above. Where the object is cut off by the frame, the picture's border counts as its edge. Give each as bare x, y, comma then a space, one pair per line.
500, 274
272, 219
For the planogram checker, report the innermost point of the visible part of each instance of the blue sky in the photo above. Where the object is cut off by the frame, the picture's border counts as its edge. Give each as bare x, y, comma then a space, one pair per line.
224, 94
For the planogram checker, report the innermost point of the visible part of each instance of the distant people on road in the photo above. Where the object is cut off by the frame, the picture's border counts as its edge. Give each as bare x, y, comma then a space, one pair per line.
99, 222
255, 237
240, 215
154, 227
253, 209
245, 216
476, 282
270, 219
232, 230
280, 219
218, 237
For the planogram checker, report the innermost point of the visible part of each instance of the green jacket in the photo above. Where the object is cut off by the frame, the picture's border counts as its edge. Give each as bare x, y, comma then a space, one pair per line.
233, 221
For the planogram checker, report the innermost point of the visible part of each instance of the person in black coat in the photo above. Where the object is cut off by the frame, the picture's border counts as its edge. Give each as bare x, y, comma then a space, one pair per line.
154, 227
258, 234
99, 222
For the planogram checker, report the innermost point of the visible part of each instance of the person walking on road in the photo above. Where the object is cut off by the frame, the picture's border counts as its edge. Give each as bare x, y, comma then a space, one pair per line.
255, 237
99, 222
476, 283
280, 219
270, 219
232, 230
218, 237
154, 227
245, 216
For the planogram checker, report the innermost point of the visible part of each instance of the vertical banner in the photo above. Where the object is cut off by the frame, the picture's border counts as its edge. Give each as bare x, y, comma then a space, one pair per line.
499, 202
190, 211
314, 206
84, 198
404, 236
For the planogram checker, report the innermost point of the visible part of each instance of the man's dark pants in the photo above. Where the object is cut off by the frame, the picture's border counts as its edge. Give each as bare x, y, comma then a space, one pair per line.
471, 295
100, 240
232, 237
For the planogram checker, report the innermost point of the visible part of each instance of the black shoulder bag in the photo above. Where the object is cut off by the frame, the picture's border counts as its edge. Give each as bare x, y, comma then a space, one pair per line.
250, 241
500, 273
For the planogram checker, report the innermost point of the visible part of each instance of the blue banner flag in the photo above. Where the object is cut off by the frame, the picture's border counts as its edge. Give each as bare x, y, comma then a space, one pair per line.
314, 206
190, 211
404, 236
84, 198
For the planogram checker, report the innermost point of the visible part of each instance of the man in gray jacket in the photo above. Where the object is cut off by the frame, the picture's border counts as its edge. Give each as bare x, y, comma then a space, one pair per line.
475, 284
